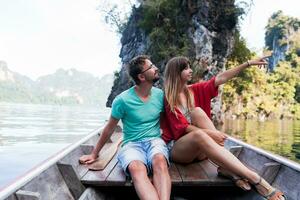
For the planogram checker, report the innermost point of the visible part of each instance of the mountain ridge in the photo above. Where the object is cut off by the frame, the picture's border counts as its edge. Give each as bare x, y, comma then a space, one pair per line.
64, 86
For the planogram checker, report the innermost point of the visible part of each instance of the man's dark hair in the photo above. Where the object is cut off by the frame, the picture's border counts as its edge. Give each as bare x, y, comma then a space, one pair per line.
135, 67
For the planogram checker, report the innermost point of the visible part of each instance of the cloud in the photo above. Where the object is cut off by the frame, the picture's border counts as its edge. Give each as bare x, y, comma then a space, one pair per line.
46, 35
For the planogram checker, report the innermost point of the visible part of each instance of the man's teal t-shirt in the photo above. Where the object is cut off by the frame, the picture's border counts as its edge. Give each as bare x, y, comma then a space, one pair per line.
140, 119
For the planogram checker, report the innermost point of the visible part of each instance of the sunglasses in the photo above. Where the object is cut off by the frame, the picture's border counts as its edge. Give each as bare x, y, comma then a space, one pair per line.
150, 67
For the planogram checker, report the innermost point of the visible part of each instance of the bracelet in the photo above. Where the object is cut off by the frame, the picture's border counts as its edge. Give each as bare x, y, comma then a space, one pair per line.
248, 63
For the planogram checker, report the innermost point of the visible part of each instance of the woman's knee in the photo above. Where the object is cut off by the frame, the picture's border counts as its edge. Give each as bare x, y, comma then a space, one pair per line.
200, 138
197, 112
198, 135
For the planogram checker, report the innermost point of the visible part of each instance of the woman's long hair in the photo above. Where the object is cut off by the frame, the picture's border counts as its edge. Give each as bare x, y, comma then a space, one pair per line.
173, 83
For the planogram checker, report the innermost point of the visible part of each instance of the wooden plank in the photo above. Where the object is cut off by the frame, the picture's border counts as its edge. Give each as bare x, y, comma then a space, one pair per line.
73, 157
12, 197
99, 177
174, 174
50, 184
209, 168
236, 150
105, 156
91, 193
118, 177
211, 171
270, 171
27, 195
191, 174
71, 179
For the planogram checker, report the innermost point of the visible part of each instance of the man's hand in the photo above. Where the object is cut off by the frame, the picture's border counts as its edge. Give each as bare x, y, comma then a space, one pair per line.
87, 159
105, 135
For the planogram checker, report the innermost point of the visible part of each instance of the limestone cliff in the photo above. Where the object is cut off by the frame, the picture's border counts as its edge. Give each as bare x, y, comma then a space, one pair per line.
210, 26
281, 37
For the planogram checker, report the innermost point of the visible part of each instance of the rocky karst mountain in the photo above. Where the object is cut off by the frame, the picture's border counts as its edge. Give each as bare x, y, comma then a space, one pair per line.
197, 29
282, 37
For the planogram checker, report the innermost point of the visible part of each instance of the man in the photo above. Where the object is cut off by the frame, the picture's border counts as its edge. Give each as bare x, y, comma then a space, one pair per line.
142, 149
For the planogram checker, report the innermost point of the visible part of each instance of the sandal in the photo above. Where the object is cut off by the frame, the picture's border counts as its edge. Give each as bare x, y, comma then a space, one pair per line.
273, 194
238, 181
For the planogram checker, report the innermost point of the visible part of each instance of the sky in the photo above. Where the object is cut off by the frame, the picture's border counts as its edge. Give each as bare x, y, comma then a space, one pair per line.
253, 25
39, 36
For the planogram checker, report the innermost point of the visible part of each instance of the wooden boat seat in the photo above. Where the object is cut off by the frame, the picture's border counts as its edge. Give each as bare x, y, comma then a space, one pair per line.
202, 173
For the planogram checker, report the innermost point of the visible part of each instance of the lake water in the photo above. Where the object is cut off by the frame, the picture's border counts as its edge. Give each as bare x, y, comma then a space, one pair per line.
29, 134
278, 136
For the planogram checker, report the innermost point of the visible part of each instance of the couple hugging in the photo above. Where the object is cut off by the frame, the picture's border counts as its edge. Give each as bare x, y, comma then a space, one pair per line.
182, 111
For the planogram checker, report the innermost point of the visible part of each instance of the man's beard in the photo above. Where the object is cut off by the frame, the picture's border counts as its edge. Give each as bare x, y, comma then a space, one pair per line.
155, 80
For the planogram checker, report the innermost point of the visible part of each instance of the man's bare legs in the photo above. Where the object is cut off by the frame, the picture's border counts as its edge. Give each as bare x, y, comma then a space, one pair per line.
161, 177
161, 187
142, 184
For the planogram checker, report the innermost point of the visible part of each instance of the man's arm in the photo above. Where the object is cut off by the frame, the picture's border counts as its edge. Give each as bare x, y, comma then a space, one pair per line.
229, 74
105, 135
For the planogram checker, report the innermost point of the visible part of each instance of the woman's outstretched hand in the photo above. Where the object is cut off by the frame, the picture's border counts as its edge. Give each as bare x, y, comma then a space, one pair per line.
262, 61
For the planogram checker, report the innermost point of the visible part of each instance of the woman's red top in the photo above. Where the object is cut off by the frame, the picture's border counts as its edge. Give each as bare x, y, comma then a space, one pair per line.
174, 127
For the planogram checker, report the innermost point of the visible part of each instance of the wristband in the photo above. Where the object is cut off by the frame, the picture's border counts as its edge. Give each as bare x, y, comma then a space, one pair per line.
248, 63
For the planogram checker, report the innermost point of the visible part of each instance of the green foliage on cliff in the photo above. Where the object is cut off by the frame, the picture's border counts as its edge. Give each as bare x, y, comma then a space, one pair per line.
165, 21
281, 27
259, 94
256, 93
240, 52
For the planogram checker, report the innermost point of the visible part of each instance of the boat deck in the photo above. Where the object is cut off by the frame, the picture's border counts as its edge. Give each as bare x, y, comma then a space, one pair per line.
202, 173
71, 180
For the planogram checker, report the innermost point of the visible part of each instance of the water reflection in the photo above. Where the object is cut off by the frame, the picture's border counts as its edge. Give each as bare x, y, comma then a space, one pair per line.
296, 144
29, 134
279, 136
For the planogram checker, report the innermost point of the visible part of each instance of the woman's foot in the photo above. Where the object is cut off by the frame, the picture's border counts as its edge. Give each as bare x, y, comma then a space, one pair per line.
267, 191
240, 182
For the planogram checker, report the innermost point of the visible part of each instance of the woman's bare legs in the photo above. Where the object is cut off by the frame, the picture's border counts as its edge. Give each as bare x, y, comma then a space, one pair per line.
200, 119
186, 149
199, 142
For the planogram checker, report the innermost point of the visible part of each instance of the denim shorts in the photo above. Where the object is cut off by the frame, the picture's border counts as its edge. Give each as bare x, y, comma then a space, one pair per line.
143, 151
170, 146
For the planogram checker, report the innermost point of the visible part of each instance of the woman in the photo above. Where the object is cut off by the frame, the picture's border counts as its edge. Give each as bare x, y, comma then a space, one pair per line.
191, 134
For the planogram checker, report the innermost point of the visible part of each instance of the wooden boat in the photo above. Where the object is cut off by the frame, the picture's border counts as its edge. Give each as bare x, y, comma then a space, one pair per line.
62, 177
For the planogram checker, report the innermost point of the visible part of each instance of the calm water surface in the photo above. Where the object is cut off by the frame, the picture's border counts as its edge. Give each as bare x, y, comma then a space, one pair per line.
29, 134
278, 136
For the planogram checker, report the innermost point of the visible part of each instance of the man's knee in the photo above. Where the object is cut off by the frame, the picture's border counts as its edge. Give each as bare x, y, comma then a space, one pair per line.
159, 163
137, 168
